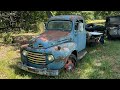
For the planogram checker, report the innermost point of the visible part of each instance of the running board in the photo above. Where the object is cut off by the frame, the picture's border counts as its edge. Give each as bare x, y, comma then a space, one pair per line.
81, 54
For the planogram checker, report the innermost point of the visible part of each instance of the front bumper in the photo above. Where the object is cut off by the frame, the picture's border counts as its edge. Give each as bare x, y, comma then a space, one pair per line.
43, 71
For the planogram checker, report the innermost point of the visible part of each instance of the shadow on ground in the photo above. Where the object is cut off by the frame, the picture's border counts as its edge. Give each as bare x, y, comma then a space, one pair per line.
25, 73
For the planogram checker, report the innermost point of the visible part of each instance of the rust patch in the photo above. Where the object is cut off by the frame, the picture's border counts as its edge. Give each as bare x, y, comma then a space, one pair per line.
56, 48
52, 35
71, 18
43, 39
24, 46
65, 49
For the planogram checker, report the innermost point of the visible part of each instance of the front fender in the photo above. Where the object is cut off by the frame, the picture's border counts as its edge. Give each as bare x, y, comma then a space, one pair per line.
61, 55
65, 50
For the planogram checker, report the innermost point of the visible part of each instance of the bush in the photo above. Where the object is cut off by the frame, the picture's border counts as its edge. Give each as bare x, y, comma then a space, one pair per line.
7, 38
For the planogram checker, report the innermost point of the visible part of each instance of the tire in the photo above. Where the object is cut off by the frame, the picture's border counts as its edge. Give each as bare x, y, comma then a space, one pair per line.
102, 39
71, 63
108, 36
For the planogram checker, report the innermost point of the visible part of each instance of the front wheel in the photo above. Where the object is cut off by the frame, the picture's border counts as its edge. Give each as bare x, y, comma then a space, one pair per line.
71, 63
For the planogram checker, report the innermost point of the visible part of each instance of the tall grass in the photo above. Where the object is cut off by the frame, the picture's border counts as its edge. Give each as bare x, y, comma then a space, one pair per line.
101, 62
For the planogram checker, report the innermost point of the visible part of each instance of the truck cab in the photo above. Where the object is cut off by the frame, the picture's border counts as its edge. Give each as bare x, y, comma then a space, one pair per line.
112, 25
61, 46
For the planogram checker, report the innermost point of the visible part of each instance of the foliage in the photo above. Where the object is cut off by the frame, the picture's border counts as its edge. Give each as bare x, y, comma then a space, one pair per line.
28, 20
7, 38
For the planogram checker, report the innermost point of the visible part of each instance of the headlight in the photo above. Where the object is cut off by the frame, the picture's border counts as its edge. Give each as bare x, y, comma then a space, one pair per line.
24, 52
50, 57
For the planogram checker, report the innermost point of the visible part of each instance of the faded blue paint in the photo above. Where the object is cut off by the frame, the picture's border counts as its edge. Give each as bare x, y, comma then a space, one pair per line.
56, 65
65, 51
79, 37
74, 40
59, 55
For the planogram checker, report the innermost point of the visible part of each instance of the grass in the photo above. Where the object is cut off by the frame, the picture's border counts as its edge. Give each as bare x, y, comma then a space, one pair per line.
101, 62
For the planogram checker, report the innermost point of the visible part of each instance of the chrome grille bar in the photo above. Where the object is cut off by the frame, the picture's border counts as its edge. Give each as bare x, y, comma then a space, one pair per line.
36, 58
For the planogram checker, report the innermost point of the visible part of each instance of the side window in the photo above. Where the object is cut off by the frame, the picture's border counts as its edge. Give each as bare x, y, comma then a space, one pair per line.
81, 26
77, 25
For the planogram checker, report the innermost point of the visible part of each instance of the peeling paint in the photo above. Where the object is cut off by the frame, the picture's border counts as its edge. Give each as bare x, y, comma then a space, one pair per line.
58, 43
52, 35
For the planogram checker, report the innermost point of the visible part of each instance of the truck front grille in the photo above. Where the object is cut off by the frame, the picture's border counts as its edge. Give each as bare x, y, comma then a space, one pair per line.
36, 58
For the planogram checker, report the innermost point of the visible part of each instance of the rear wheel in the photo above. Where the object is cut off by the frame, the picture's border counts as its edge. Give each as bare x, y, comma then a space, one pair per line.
71, 63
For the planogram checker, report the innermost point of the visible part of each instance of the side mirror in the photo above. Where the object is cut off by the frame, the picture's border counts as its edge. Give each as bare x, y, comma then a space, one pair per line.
76, 26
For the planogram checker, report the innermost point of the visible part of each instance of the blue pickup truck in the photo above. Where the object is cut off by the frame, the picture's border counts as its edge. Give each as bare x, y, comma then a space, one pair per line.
61, 46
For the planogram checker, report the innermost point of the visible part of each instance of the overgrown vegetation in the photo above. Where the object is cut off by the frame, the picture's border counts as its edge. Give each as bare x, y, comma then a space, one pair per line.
28, 20
101, 62
33, 21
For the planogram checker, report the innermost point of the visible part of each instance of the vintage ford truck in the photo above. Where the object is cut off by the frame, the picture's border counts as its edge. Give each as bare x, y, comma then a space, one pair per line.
61, 46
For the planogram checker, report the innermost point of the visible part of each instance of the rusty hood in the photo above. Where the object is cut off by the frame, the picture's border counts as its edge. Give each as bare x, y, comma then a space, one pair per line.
52, 35
51, 38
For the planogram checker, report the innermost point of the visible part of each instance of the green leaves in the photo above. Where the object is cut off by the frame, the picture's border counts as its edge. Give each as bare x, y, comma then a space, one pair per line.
26, 19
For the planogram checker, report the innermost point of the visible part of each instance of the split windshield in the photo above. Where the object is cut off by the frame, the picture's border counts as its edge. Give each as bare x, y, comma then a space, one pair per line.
59, 25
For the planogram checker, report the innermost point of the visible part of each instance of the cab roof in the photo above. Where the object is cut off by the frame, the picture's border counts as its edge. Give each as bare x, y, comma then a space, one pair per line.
66, 17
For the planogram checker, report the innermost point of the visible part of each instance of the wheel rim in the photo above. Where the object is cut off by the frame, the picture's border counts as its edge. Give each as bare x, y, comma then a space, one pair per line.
70, 65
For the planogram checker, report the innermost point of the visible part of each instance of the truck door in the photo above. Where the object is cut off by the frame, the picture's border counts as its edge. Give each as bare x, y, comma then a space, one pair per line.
80, 35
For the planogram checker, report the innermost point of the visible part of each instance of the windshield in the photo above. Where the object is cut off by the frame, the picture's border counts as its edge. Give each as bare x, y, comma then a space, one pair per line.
115, 20
59, 25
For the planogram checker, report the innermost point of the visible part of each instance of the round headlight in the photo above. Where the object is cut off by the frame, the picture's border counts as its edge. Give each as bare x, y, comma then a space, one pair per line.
50, 57
25, 53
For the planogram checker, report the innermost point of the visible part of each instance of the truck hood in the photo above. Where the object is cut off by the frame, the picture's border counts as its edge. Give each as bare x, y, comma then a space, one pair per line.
51, 38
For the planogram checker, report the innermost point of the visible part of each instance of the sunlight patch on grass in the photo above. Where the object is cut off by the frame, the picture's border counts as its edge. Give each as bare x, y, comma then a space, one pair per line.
101, 62
3, 75
98, 64
86, 72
